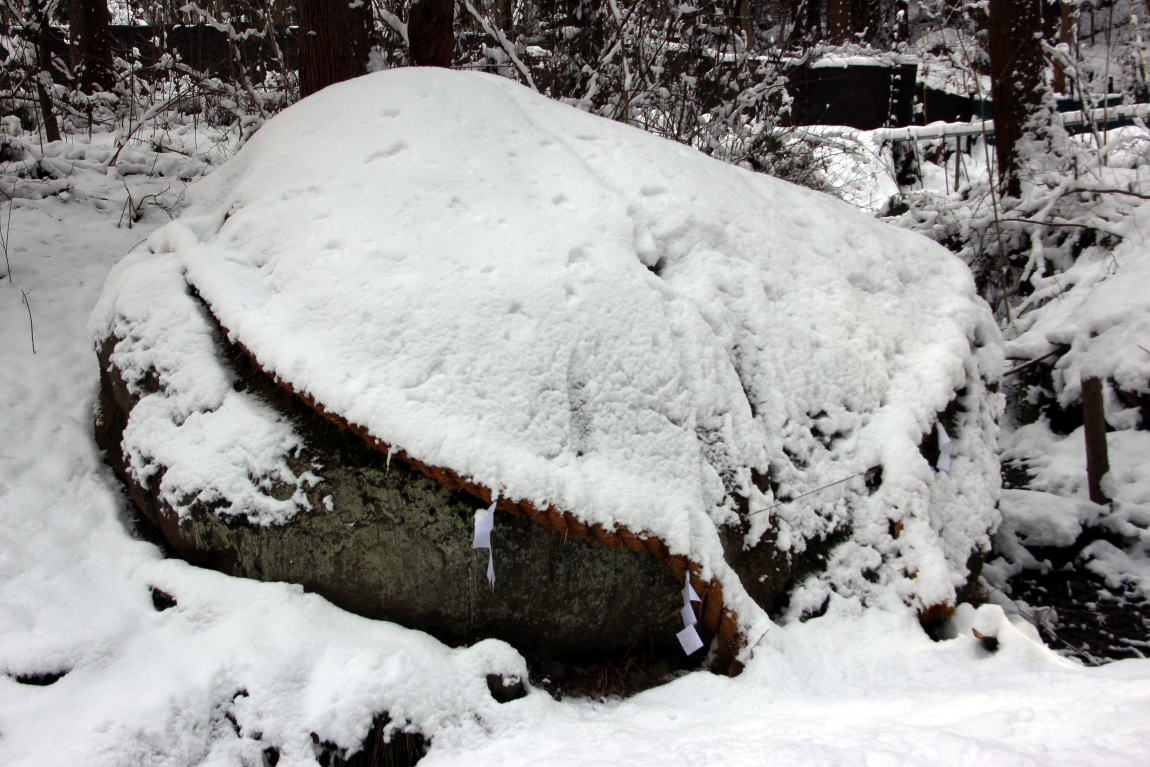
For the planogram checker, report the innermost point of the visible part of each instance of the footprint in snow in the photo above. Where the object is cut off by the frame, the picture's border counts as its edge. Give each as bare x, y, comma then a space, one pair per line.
390, 151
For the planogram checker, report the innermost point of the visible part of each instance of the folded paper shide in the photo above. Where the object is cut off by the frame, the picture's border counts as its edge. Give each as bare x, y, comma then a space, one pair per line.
689, 637
484, 524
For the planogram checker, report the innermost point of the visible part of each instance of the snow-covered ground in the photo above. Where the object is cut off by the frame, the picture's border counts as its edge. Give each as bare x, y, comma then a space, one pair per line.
237, 666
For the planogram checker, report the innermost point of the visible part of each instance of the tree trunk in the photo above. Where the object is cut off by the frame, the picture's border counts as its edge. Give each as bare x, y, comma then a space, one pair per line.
902, 22
1017, 80
746, 22
1066, 28
812, 21
868, 20
431, 32
41, 13
334, 42
91, 44
839, 25
802, 16
503, 15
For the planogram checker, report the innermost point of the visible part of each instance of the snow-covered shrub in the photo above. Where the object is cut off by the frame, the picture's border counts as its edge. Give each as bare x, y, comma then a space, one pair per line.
684, 72
1065, 267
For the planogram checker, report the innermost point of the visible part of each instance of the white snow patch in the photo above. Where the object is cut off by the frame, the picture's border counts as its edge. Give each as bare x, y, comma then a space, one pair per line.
846, 692
1099, 307
209, 443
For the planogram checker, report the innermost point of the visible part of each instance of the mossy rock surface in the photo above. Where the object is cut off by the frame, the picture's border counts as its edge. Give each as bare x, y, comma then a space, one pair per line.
387, 542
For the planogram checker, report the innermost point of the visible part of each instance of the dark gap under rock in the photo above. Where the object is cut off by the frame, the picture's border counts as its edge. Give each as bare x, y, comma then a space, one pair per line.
1077, 613
402, 749
42, 678
162, 600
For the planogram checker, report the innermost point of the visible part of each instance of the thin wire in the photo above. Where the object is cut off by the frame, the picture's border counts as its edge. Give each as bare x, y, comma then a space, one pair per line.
1040, 625
804, 495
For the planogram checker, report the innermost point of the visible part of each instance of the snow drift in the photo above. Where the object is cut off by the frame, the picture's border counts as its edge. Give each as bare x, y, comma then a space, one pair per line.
569, 313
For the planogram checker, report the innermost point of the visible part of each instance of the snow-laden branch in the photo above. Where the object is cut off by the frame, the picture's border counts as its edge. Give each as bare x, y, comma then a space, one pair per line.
501, 38
397, 24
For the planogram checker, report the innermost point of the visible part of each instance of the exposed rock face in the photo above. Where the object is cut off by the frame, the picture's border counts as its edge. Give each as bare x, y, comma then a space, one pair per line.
387, 542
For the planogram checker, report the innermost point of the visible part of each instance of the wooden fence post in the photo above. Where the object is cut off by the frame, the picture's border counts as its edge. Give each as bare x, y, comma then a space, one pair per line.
1094, 426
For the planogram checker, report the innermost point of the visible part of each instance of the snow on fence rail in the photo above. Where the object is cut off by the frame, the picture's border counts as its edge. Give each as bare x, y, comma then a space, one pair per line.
1099, 116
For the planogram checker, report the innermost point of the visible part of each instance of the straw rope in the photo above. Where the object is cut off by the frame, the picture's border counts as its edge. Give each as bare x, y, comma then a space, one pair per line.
720, 620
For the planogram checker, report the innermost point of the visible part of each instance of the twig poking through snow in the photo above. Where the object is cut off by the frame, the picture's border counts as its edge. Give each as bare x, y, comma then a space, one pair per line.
129, 208
5, 231
31, 328
1060, 223
1057, 352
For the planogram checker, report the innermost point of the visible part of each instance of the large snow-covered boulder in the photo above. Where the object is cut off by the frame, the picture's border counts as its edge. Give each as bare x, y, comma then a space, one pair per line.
609, 334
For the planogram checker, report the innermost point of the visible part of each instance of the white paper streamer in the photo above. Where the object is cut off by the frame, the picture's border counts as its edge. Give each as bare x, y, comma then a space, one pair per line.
944, 449
689, 637
484, 523
689, 594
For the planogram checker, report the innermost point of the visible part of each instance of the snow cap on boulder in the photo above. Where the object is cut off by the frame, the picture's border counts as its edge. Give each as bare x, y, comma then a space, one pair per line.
587, 320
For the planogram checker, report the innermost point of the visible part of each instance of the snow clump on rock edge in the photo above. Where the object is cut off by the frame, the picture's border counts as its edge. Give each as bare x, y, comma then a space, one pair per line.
572, 312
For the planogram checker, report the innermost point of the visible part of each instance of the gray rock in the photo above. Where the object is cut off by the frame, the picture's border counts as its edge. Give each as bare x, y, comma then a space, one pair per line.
396, 545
